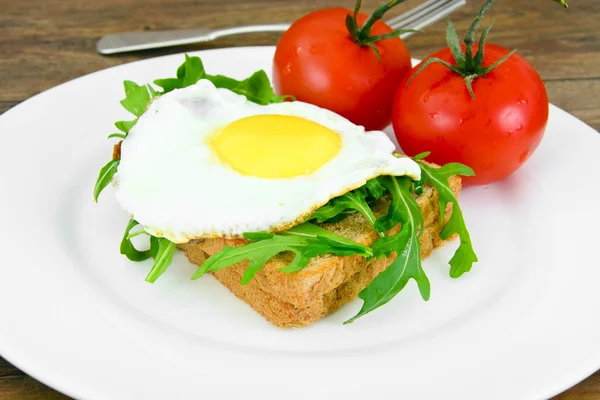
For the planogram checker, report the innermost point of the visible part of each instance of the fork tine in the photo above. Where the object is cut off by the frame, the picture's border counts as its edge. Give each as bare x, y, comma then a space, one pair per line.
426, 14
408, 15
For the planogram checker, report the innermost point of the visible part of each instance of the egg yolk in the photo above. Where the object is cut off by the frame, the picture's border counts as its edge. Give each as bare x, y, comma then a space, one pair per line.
275, 146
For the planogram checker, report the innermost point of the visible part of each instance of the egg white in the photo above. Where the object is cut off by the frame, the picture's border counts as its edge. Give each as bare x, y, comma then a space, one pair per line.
173, 184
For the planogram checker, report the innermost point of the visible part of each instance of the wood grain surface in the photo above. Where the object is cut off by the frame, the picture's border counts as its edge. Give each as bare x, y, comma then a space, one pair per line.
46, 42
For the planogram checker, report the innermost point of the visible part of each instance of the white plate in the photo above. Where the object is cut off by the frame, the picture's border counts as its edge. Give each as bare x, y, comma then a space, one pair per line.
78, 316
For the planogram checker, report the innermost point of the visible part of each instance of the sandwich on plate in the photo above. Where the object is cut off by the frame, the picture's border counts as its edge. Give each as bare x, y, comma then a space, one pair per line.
292, 207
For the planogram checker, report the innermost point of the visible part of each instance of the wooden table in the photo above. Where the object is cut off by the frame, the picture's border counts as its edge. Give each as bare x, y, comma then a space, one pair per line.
47, 42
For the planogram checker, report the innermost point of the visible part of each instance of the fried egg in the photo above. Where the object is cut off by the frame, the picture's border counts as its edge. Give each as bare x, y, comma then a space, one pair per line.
206, 162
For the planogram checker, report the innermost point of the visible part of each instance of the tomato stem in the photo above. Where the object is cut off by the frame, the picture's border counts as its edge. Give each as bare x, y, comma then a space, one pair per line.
468, 66
365, 30
362, 35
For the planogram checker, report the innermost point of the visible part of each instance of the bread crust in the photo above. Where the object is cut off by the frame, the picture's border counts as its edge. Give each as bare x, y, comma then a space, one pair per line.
328, 281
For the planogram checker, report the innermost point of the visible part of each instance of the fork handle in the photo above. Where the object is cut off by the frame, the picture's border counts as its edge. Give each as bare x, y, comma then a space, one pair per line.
132, 41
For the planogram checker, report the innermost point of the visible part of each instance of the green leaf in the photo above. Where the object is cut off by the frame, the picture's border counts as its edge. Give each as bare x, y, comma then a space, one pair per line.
127, 247
373, 47
470, 37
117, 135
194, 70
465, 256
136, 98
188, 73
374, 189
454, 44
393, 34
353, 200
430, 61
397, 210
223, 82
356, 200
469, 84
169, 84
257, 88
312, 231
418, 186
153, 92
407, 246
162, 260
154, 246
105, 177
125, 126
305, 241
351, 25
421, 156
258, 235
485, 70
478, 60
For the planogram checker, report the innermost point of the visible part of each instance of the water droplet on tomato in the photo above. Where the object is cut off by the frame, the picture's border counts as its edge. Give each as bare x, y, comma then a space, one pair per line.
523, 156
519, 127
288, 69
433, 115
523, 101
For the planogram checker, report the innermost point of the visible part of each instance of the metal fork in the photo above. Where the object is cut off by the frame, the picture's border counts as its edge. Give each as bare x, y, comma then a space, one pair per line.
416, 18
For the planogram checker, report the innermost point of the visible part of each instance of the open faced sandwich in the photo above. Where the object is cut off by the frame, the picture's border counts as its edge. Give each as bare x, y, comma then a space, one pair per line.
292, 207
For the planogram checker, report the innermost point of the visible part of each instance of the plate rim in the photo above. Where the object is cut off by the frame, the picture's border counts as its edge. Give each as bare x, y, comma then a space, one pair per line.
39, 375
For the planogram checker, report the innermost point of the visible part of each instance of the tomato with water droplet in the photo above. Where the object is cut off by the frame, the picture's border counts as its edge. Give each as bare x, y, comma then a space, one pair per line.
318, 61
493, 133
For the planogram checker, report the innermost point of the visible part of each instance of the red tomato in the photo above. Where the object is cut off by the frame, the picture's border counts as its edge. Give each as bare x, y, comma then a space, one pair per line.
493, 134
318, 62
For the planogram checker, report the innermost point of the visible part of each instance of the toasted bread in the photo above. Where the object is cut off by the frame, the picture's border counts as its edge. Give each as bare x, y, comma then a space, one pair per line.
328, 281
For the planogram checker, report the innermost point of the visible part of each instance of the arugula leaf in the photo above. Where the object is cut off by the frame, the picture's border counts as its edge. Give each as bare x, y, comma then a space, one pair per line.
465, 256
105, 177
311, 230
125, 126
136, 98
406, 244
397, 209
154, 246
153, 92
136, 101
356, 200
305, 241
127, 247
257, 88
222, 81
419, 156
374, 189
162, 259
188, 73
